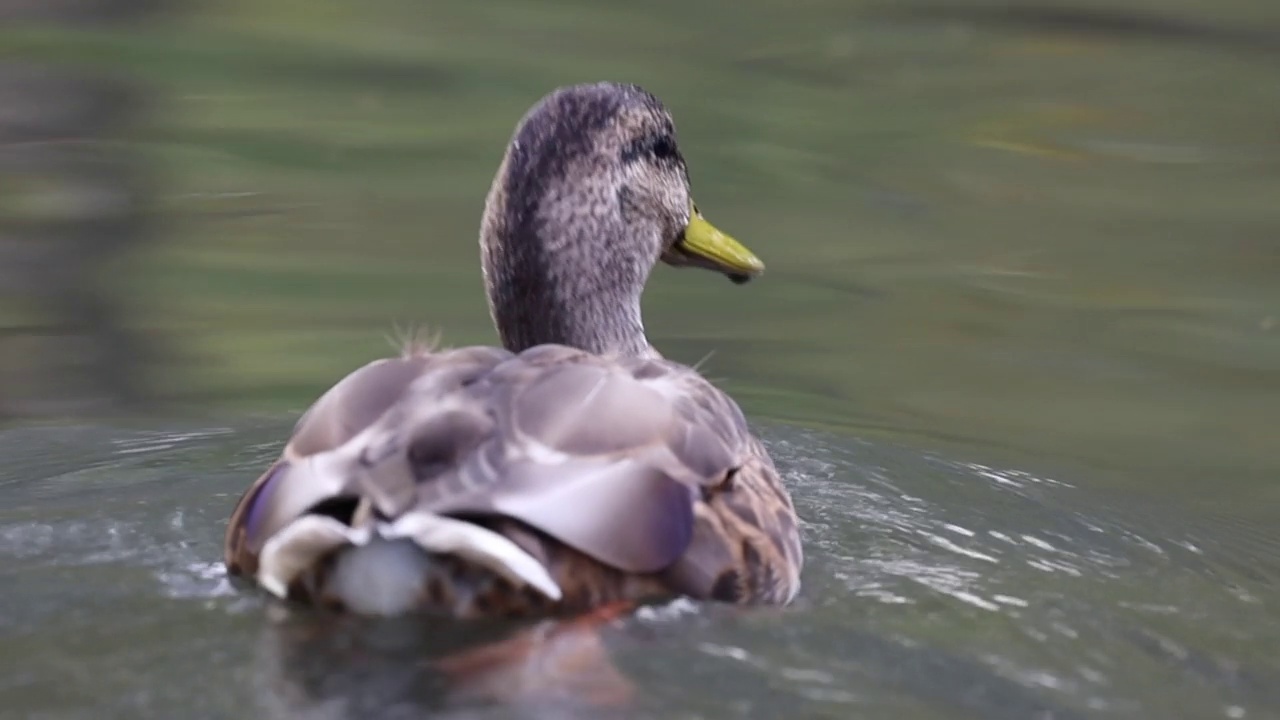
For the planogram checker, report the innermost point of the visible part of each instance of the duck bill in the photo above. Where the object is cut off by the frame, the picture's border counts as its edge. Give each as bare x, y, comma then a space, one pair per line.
704, 245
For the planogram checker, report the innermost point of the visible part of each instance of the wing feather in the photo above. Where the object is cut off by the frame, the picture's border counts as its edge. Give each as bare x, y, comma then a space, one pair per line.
639, 464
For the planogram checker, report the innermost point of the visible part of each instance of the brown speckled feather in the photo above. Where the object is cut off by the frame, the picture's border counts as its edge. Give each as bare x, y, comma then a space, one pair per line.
628, 479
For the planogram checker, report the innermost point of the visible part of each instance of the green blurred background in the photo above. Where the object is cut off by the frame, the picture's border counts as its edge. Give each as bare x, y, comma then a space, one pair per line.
1044, 233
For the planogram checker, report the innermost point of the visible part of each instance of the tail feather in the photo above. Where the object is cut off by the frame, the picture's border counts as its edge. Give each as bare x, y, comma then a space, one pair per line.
383, 577
386, 569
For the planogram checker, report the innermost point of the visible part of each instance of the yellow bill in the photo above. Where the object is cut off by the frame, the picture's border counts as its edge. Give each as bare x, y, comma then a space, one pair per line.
704, 245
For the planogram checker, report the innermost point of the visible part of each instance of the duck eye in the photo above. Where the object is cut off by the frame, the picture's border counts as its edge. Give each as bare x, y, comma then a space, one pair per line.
663, 148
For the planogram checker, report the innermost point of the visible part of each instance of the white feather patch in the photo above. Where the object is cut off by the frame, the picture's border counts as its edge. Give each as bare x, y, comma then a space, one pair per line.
484, 547
389, 570
300, 544
382, 577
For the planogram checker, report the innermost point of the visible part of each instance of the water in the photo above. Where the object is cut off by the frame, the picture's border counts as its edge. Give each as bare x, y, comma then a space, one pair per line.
935, 588
1017, 353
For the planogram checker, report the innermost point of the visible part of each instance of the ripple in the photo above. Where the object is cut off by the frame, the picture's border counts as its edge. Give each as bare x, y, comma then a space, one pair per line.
194, 580
929, 583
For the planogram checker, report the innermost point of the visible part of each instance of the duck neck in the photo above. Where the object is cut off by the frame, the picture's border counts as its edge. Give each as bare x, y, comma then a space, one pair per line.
548, 312
563, 291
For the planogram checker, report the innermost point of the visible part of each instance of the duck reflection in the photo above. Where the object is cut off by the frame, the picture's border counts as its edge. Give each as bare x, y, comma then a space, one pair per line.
330, 666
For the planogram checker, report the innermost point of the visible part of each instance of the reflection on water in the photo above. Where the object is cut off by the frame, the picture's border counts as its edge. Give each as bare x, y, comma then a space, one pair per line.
935, 588
75, 202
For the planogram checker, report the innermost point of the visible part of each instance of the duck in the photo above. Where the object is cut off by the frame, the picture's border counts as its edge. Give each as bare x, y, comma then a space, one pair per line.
572, 468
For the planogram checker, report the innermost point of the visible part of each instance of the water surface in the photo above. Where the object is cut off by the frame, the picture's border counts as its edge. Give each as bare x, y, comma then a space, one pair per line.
934, 588
1017, 351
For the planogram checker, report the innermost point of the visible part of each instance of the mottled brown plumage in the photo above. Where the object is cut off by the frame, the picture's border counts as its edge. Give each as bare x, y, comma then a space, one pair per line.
574, 468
